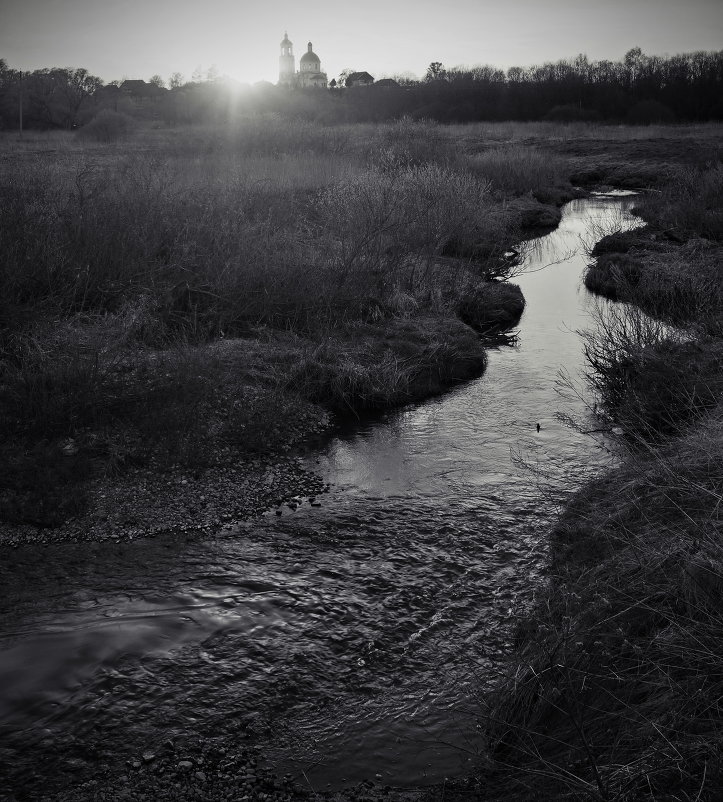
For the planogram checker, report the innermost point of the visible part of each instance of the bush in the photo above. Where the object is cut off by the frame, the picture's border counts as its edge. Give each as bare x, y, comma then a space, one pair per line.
107, 126
650, 383
648, 112
571, 113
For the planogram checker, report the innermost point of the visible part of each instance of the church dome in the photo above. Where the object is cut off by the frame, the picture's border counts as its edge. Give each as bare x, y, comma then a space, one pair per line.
309, 56
286, 41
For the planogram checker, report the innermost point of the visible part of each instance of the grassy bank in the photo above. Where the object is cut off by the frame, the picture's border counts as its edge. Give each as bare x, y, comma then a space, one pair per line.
614, 693
184, 298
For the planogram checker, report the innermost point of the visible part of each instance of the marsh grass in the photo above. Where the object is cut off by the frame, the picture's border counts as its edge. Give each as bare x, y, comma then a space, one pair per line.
677, 283
651, 380
691, 204
236, 236
519, 169
370, 366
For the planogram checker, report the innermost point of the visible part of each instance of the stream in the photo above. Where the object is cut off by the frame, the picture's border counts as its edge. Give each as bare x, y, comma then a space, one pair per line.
349, 641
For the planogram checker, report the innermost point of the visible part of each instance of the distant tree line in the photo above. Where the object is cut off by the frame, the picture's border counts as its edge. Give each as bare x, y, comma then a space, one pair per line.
639, 89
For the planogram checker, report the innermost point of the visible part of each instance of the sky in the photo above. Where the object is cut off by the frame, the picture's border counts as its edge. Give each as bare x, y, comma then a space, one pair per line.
116, 39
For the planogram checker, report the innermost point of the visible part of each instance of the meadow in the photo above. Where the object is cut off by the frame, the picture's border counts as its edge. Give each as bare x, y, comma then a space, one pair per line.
155, 278
180, 297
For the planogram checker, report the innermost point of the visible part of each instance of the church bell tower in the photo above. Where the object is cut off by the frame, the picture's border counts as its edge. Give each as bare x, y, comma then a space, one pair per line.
287, 63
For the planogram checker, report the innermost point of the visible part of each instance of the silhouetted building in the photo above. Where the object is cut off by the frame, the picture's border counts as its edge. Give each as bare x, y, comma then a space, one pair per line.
141, 92
309, 73
287, 66
359, 79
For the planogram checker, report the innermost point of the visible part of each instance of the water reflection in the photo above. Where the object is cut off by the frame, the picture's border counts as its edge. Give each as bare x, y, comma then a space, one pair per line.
350, 640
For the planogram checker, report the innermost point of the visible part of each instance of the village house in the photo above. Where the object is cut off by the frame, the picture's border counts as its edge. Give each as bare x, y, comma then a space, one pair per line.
141, 92
359, 79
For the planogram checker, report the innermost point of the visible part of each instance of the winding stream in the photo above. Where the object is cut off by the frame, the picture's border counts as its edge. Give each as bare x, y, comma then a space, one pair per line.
349, 641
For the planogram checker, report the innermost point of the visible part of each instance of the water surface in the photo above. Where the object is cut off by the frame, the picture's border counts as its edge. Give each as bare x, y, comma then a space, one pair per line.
350, 641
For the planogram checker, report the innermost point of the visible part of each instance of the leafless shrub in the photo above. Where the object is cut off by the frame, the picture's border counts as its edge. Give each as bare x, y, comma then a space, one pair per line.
107, 126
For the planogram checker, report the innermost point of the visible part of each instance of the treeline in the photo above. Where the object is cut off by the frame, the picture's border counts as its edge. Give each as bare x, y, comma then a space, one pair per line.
640, 89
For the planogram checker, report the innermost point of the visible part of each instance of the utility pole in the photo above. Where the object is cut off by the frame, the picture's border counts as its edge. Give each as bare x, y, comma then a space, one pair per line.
20, 105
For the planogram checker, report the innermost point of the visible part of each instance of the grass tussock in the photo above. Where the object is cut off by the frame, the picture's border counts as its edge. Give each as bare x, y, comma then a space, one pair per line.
492, 307
678, 282
371, 366
691, 205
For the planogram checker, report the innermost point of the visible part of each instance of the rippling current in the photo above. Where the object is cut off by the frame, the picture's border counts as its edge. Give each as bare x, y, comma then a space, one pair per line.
349, 641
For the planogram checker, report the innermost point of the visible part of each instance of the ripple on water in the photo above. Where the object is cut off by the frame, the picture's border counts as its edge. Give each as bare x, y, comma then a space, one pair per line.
349, 640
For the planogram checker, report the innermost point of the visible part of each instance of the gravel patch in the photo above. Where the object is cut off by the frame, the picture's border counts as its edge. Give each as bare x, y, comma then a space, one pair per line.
144, 503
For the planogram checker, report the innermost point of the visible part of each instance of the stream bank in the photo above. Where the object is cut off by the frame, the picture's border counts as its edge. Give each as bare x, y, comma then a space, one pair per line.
236, 456
615, 685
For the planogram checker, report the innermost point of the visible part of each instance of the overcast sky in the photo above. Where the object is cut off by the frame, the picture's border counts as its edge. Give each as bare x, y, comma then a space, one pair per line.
139, 38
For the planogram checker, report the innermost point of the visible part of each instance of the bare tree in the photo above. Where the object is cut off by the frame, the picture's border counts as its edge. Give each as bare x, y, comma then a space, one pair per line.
343, 75
156, 80
77, 90
436, 72
176, 80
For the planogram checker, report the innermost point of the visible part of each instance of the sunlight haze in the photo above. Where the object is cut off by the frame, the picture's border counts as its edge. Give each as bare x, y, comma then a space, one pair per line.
241, 39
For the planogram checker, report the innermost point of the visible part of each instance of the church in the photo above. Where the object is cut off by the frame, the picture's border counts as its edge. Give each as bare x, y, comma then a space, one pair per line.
309, 73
